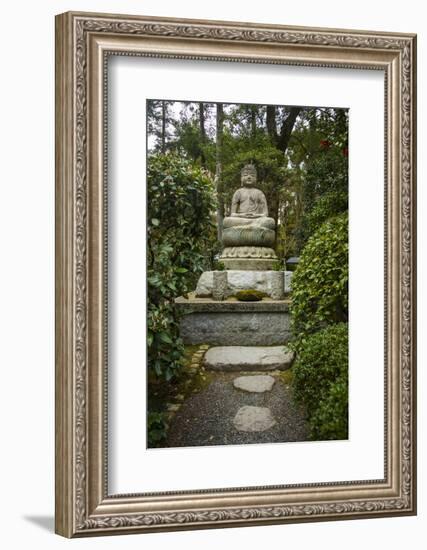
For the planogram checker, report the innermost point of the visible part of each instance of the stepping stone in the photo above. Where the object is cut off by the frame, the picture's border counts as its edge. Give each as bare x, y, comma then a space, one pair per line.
253, 419
254, 384
248, 358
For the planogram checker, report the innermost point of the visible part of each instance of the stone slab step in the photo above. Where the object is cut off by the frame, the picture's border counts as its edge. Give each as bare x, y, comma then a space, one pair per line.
248, 358
254, 383
253, 419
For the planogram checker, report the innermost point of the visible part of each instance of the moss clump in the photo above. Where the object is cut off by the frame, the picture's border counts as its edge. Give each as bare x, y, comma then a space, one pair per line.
250, 295
286, 376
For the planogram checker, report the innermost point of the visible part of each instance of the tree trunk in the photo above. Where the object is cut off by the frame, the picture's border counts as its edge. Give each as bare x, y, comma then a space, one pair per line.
287, 127
218, 168
163, 136
271, 123
281, 141
253, 121
202, 133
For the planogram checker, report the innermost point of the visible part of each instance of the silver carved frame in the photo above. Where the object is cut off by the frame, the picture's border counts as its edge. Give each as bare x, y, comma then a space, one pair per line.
83, 43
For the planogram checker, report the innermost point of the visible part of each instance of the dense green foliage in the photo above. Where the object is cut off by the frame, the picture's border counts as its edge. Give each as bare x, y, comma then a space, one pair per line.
318, 154
326, 171
319, 310
320, 282
327, 206
250, 295
180, 209
320, 381
156, 429
324, 190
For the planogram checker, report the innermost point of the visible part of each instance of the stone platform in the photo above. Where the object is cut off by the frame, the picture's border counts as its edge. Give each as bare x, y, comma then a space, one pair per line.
248, 358
242, 280
234, 323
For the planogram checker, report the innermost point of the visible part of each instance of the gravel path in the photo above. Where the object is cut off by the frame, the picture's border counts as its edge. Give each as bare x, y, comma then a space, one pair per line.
207, 417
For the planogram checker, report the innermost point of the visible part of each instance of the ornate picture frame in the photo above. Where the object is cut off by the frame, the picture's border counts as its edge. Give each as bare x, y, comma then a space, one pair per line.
84, 42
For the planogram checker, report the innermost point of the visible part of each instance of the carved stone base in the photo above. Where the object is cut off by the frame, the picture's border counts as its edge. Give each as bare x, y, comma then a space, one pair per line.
250, 258
248, 264
248, 252
248, 236
273, 283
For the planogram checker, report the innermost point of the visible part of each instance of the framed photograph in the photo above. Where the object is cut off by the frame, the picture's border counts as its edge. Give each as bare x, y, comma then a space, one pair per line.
235, 274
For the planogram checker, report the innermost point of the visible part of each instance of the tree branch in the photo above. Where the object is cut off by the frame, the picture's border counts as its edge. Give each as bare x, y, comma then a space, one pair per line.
287, 127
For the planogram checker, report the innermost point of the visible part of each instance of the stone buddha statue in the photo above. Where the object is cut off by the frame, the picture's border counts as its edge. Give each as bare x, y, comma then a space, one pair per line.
248, 233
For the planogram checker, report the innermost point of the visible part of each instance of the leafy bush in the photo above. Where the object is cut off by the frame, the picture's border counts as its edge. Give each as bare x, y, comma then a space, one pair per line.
325, 189
156, 428
320, 282
320, 381
326, 171
250, 295
330, 419
327, 206
180, 209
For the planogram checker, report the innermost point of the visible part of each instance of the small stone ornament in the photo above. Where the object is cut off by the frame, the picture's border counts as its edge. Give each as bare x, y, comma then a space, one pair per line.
277, 285
220, 284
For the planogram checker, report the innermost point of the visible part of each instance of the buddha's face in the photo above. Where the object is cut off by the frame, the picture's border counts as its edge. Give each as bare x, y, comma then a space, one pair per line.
248, 179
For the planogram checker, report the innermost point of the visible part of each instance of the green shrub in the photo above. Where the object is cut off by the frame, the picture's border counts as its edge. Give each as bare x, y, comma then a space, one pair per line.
320, 282
330, 418
325, 171
327, 206
325, 188
180, 207
250, 295
156, 428
320, 381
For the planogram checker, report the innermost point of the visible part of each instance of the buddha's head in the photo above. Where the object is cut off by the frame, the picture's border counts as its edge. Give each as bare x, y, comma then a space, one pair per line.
248, 175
